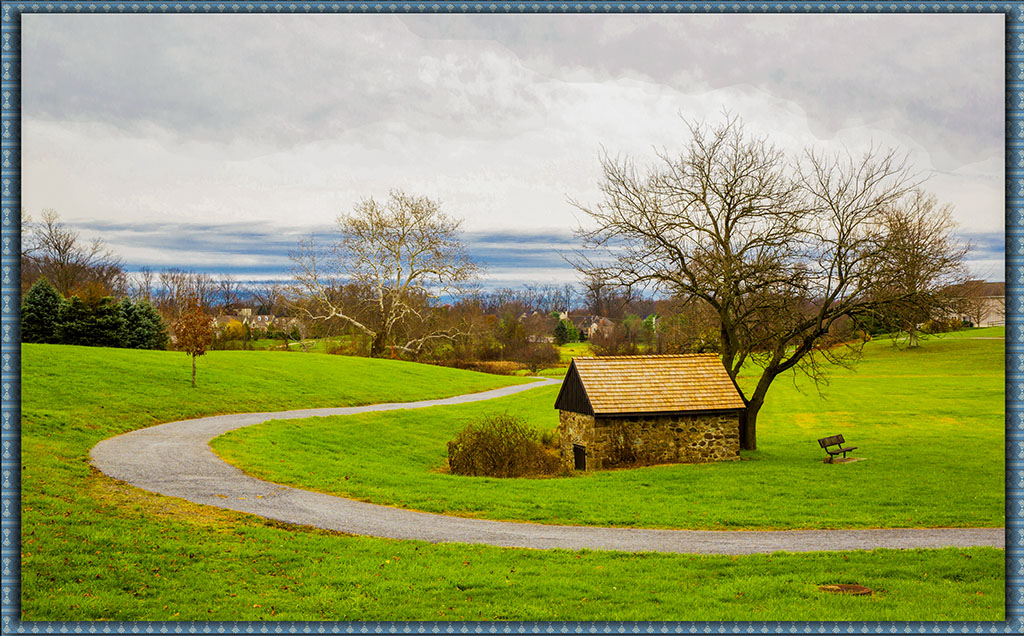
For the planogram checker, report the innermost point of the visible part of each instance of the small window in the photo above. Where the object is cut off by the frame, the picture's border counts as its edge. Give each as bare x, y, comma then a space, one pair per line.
579, 454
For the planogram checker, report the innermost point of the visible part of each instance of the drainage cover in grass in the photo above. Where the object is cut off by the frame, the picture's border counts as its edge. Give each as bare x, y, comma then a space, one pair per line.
845, 588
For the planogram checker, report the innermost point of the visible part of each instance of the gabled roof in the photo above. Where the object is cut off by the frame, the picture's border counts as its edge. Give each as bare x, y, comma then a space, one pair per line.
617, 385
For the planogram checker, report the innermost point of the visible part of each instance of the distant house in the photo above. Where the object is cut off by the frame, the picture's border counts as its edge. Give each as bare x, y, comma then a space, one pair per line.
223, 320
261, 321
620, 410
589, 324
983, 303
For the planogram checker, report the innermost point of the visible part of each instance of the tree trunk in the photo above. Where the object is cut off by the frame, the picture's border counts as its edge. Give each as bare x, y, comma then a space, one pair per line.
377, 346
913, 339
193, 372
748, 424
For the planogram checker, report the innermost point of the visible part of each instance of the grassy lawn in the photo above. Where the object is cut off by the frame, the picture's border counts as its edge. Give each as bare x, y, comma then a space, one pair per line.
313, 345
929, 422
93, 548
571, 350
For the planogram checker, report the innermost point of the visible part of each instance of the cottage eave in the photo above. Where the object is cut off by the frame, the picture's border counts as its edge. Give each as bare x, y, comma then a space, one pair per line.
614, 415
572, 396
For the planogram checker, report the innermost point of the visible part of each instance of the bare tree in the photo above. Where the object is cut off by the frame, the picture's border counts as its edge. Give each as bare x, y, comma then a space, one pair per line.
403, 254
226, 293
52, 249
269, 298
780, 252
603, 297
179, 287
142, 285
921, 262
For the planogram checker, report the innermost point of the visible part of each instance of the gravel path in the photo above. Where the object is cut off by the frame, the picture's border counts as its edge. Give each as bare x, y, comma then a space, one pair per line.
175, 459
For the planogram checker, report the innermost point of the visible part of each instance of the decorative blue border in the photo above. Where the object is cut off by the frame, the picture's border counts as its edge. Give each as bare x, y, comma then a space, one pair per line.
10, 298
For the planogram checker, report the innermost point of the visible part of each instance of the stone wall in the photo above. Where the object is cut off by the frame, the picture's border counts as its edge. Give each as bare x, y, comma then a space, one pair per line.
638, 441
575, 428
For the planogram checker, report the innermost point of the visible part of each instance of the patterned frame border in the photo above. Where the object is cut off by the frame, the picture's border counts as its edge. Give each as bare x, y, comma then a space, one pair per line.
10, 293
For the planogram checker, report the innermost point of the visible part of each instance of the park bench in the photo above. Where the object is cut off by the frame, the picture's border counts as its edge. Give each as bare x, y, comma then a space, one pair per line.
837, 441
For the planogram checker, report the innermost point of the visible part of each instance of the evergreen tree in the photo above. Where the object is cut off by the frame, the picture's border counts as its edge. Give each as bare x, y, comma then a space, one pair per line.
143, 328
565, 332
41, 313
561, 333
99, 325
76, 328
149, 320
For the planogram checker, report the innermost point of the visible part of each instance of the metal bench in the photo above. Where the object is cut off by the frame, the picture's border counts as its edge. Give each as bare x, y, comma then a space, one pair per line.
837, 441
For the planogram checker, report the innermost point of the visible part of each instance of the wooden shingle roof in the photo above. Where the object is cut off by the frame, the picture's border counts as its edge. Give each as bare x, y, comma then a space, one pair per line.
616, 385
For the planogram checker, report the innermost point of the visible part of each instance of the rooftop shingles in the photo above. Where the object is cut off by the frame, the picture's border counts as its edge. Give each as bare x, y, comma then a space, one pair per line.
657, 384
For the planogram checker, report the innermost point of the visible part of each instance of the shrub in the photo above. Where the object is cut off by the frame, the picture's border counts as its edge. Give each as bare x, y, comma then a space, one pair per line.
550, 438
541, 355
500, 446
496, 367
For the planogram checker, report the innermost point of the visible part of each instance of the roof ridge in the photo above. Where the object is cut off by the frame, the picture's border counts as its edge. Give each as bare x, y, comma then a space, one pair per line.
645, 356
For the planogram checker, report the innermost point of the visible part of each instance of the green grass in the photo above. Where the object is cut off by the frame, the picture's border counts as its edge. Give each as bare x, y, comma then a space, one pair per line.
929, 422
313, 345
571, 350
95, 549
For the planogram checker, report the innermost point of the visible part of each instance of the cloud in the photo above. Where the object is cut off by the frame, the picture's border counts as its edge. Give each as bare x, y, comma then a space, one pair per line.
936, 77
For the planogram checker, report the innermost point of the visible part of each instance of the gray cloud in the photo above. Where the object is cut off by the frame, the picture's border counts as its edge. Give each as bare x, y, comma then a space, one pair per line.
288, 79
937, 78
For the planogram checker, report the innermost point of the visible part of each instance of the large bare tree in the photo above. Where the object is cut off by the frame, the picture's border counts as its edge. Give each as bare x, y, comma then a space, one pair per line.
403, 255
921, 262
53, 250
780, 249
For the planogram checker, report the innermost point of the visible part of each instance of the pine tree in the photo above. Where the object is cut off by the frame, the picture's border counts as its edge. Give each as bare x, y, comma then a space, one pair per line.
144, 328
149, 319
99, 325
565, 332
561, 333
41, 313
76, 327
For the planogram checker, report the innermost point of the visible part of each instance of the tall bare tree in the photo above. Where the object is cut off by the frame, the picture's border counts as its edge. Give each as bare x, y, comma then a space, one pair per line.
53, 250
178, 288
403, 255
921, 262
226, 293
780, 249
142, 285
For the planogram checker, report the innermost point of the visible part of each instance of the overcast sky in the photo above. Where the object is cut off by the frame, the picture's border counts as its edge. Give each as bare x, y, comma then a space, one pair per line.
214, 142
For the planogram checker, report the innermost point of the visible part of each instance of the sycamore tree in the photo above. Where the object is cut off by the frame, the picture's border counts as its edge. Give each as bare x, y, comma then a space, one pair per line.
400, 257
781, 250
193, 332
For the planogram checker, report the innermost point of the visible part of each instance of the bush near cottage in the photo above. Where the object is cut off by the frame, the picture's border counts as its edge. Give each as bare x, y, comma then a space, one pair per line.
500, 445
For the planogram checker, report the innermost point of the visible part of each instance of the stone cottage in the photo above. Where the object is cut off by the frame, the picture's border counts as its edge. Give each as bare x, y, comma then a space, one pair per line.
634, 410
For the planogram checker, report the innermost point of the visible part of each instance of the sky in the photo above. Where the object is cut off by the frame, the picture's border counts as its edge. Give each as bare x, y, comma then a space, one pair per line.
215, 142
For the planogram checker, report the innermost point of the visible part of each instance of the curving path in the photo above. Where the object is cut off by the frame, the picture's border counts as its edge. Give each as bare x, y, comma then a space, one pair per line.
175, 459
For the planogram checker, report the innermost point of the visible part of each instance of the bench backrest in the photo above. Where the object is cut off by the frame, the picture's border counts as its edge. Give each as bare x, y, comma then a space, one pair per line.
825, 442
